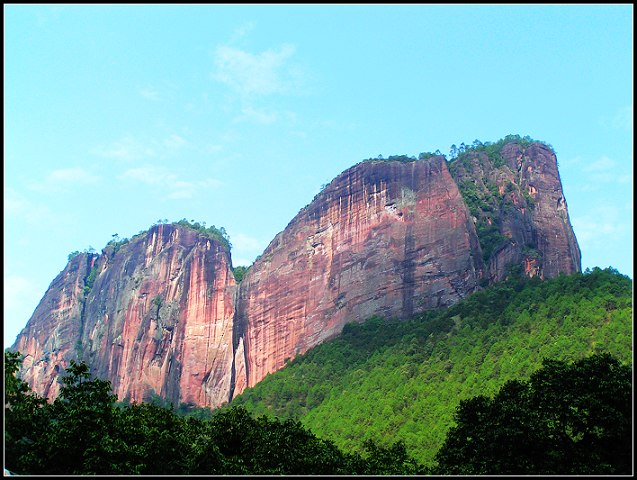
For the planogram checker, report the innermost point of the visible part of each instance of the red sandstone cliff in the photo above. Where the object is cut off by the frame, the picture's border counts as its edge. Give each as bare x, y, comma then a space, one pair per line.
49, 339
157, 320
385, 238
162, 315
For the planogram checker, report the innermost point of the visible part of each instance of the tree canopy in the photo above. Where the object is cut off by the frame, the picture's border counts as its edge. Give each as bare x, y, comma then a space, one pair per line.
567, 419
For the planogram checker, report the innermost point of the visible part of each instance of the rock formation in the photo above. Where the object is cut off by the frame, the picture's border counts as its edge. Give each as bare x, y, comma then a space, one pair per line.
384, 238
156, 321
515, 195
162, 315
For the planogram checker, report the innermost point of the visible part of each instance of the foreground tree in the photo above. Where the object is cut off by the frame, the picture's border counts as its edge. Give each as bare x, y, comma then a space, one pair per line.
566, 420
25, 416
85, 432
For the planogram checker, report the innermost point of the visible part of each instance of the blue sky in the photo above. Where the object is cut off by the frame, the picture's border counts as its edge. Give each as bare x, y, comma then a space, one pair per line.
116, 116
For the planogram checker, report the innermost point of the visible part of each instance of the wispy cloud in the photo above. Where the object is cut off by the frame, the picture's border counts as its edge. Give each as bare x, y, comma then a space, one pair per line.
241, 31
257, 116
149, 93
246, 242
127, 148
620, 120
130, 148
244, 248
607, 170
249, 74
64, 179
601, 225
175, 142
18, 207
168, 182
20, 297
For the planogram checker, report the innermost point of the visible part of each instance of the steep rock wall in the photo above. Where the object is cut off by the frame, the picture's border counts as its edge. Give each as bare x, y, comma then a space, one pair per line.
50, 339
157, 320
385, 238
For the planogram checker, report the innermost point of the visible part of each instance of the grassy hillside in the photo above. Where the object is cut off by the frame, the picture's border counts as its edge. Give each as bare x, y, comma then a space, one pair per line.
390, 381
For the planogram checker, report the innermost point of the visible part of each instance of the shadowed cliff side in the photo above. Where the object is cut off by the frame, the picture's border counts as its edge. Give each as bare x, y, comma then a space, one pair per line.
515, 196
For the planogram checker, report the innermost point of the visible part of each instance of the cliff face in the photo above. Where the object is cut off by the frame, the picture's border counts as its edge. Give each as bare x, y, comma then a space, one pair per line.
162, 315
48, 342
383, 238
157, 320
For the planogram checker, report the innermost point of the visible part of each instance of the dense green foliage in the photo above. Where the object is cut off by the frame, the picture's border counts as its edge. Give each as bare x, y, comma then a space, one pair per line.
380, 399
90, 279
116, 243
218, 234
84, 432
492, 149
239, 272
401, 381
392, 158
565, 420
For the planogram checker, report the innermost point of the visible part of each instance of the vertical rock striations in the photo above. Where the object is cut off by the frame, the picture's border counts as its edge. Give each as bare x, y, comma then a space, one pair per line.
51, 337
385, 238
157, 319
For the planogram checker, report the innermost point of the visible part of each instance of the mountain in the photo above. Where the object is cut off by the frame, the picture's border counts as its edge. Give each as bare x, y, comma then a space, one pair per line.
161, 314
402, 381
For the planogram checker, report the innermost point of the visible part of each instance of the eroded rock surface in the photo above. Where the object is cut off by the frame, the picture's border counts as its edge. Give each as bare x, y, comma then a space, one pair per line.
384, 238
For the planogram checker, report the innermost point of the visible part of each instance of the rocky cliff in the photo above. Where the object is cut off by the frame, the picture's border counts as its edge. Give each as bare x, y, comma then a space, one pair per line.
385, 238
515, 196
162, 315
154, 318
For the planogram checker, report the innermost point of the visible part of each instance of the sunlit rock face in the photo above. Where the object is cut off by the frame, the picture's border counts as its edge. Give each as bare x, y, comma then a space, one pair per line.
161, 315
157, 320
384, 238
49, 339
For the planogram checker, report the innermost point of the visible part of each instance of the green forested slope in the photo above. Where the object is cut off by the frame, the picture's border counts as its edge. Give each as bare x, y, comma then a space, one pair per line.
403, 380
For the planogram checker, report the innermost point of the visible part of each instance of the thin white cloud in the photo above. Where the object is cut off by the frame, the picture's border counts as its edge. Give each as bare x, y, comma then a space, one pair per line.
174, 187
21, 296
16, 205
242, 31
64, 179
607, 170
149, 93
175, 141
601, 225
257, 116
213, 149
604, 163
127, 148
621, 120
23, 209
246, 242
250, 74
150, 175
